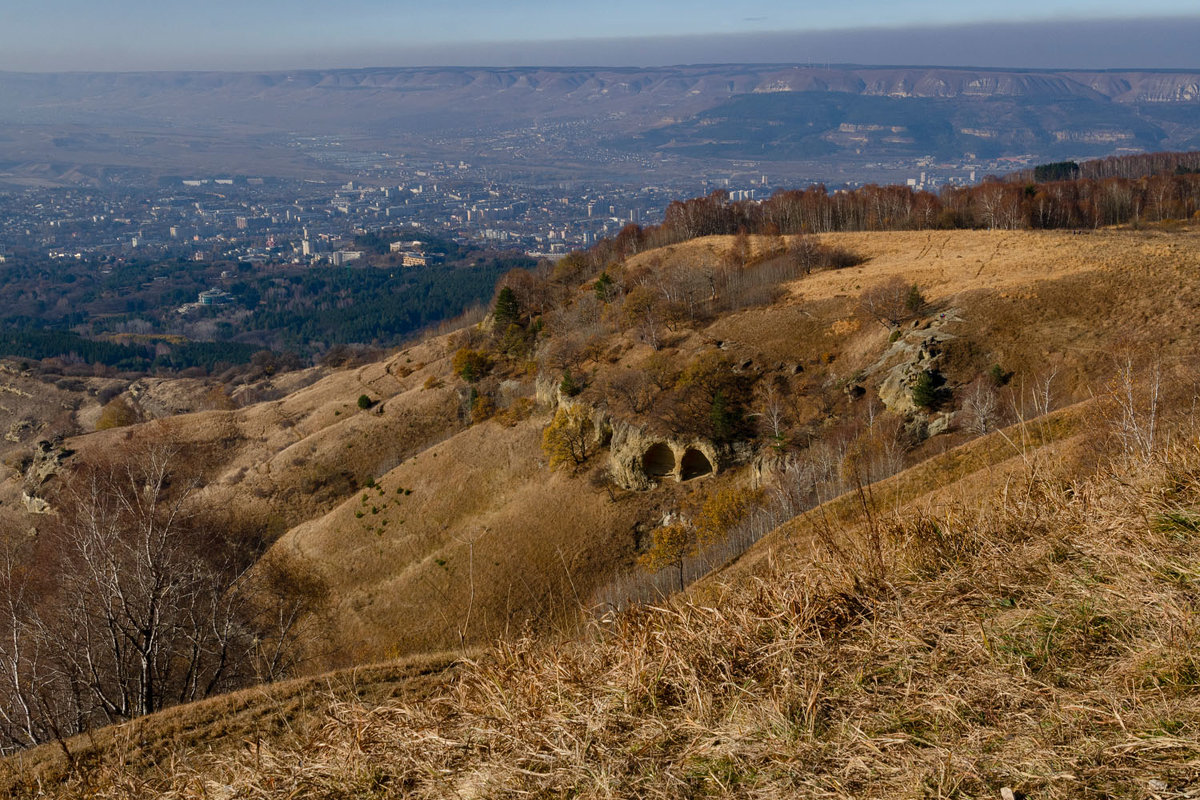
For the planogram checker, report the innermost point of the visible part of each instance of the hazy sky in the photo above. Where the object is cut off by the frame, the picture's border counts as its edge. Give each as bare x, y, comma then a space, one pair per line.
237, 34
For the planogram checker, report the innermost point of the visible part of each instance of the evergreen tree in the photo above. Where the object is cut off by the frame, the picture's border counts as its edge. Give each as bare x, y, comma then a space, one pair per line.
507, 311
925, 392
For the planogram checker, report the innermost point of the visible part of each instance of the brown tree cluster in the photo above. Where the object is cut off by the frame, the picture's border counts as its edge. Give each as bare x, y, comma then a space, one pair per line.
1115, 191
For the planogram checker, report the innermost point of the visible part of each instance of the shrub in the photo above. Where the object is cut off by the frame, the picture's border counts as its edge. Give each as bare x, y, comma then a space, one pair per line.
116, 414
999, 375
365, 402
569, 386
892, 301
521, 409
568, 438
837, 258
603, 287
471, 365
483, 407
914, 302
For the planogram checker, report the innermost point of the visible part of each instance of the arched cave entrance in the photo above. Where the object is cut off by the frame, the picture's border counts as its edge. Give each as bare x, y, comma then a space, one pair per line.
694, 464
658, 461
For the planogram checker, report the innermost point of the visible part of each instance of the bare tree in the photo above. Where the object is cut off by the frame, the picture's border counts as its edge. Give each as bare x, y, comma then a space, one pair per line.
890, 302
142, 620
129, 601
982, 408
643, 309
634, 387
773, 416
1135, 395
1042, 393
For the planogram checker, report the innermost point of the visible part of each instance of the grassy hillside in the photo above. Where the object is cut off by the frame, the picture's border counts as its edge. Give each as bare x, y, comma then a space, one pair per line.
1039, 640
418, 493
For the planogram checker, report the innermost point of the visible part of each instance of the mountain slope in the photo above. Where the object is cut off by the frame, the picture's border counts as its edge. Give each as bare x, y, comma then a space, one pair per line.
1033, 634
432, 516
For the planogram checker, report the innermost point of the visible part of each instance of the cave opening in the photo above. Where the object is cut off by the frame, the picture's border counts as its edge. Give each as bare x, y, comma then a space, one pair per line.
694, 464
658, 461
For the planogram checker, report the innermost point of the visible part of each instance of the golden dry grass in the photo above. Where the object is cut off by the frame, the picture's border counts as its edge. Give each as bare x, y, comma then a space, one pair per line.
947, 263
481, 538
962, 476
1043, 641
216, 729
471, 539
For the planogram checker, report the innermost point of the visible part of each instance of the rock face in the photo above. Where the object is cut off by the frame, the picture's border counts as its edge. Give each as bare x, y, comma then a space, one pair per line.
918, 349
35, 505
19, 429
47, 459
895, 390
639, 460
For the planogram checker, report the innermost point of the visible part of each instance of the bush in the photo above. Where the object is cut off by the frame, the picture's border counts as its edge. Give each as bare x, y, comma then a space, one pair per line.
837, 258
116, 414
483, 407
568, 438
999, 375
914, 303
471, 365
365, 402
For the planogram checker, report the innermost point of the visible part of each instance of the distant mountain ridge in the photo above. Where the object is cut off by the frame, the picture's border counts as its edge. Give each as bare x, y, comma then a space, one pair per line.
842, 111
1132, 86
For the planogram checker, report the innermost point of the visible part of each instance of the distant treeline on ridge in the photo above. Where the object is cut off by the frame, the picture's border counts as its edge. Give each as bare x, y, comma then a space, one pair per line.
1111, 191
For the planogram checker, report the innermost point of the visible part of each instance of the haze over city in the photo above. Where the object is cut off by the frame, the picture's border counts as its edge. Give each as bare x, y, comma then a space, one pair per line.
223, 35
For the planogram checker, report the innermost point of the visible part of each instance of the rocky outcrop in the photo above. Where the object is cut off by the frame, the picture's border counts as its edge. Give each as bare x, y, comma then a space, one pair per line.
640, 460
35, 505
896, 388
916, 349
19, 429
48, 457
46, 462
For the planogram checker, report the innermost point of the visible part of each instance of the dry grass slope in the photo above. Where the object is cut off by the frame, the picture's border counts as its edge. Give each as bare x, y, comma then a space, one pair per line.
993, 621
215, 729
1044, 641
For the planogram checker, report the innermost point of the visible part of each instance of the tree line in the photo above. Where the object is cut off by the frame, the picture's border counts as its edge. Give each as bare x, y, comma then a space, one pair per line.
1135, 189
37, 343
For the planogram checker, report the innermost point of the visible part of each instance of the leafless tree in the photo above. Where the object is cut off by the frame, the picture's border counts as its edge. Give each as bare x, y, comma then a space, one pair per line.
143, 620
889, 302
1136, 395
643, 309
1042, 392
634, 387
773, 415
982, 408
129, 601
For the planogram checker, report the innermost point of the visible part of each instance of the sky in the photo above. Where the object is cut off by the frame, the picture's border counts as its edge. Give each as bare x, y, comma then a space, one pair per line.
55, 35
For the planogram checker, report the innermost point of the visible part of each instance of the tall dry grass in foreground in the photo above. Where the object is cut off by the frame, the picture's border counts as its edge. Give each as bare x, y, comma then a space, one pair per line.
1048, 642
